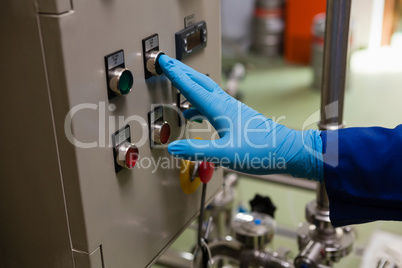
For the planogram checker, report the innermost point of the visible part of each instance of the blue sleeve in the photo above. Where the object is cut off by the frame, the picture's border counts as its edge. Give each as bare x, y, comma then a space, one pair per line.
363, 174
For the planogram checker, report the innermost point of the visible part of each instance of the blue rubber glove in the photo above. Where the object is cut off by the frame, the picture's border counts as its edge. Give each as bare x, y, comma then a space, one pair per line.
248, 141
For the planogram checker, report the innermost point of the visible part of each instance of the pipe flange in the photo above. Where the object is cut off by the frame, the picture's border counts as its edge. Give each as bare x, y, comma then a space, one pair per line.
316, 216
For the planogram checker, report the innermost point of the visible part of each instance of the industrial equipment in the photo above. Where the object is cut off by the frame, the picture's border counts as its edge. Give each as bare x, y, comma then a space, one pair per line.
86, 181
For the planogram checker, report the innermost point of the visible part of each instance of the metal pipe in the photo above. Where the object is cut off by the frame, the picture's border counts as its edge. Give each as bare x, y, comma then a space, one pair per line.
322, 197
334, 74
335, 61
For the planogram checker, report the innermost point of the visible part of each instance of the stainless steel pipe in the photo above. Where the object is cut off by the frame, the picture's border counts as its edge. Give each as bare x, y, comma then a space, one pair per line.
334, 74
335, 61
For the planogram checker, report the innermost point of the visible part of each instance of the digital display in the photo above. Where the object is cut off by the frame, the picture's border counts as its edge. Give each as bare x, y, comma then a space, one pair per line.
191, 40
194, 40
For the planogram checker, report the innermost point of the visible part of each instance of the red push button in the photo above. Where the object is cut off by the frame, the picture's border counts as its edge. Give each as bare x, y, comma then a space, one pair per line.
131, 157
165, 133
205, 171
161, 132
127, 155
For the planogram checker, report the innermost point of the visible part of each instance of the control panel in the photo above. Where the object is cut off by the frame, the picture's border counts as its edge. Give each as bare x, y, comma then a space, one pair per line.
100, 188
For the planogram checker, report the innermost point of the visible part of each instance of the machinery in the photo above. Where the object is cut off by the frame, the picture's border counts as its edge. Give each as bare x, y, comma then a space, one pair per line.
86, 179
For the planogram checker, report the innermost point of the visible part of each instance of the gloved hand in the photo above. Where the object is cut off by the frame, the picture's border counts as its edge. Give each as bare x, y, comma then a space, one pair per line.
248, 141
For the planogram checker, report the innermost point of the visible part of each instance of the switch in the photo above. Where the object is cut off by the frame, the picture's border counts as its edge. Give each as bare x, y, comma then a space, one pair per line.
160, 132
159, 129
205, 171
151, 54
125, 153
193, 173
152, 62
119, 79
182, 103
122, 81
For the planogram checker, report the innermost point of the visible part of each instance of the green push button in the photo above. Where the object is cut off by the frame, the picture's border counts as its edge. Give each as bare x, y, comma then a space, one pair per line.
121, 81
125, 82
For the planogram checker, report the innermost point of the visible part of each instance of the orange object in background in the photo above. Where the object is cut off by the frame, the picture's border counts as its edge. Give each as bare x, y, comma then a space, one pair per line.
298, 22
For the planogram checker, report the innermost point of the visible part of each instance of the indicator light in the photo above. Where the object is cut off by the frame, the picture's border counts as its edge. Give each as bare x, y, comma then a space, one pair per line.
127, 155
161, 132
121, 81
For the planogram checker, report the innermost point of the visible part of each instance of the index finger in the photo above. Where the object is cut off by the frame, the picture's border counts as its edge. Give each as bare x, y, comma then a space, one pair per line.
201, 79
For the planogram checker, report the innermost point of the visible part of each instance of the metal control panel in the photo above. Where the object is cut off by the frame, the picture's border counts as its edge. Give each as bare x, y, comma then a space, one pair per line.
82, 186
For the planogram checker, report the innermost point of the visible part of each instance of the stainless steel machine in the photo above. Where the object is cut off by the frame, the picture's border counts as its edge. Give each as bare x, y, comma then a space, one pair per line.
86, 179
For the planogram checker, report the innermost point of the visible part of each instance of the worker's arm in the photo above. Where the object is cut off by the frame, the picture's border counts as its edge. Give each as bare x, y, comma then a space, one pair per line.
362, 167
363, 174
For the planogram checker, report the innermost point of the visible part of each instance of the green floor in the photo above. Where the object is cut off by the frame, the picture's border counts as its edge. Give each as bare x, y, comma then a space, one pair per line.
283, 92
